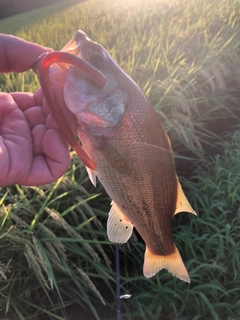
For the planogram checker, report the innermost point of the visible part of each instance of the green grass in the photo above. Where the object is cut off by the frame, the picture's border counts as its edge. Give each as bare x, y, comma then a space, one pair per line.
13, 23
185, 57
209, 245
51, 241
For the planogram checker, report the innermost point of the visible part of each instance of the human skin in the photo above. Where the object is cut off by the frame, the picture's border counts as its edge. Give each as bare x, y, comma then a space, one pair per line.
32, 151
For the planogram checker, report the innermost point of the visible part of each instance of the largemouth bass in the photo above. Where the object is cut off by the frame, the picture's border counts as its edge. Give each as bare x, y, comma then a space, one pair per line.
127, 149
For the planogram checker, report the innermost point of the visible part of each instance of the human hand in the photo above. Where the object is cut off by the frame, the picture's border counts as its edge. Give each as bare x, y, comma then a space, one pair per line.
32, 151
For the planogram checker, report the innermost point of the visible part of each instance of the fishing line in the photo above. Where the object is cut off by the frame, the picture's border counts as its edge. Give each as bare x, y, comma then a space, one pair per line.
118, 301
118, 296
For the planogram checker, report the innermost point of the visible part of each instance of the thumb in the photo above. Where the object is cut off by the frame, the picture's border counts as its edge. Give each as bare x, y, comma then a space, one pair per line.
18, 55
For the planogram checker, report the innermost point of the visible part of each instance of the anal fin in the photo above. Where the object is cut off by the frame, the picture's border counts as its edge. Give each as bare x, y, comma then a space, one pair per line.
119, 227
182, 202
172, 262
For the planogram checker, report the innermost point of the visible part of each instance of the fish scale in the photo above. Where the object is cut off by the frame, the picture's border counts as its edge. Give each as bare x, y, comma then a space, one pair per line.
113, 182
122, 135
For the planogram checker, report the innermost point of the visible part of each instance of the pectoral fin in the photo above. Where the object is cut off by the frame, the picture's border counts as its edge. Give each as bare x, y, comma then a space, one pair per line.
119, 227
172, 262
92, 176
182, 202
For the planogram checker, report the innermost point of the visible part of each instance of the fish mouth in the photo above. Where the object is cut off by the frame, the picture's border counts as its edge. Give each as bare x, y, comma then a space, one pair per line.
73, 46
86, 49
80, 46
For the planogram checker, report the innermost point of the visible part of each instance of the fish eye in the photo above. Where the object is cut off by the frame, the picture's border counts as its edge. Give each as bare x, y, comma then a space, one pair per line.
96, 61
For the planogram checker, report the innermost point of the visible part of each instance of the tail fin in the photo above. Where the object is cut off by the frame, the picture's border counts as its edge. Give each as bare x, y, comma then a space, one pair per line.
173, 263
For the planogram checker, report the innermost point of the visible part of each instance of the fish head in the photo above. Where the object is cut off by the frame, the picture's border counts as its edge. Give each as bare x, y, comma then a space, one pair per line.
100, 109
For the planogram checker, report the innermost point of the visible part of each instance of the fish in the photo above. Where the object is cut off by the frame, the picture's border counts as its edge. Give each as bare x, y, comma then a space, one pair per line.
126, 148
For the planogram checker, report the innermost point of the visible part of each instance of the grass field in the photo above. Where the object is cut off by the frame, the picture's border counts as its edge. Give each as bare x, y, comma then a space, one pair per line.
185, 56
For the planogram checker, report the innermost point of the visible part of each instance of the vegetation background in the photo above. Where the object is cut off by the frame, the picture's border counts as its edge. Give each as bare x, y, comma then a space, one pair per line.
12, 7
56, 261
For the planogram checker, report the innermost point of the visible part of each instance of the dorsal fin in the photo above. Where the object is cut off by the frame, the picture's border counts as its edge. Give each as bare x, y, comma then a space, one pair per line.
182, 202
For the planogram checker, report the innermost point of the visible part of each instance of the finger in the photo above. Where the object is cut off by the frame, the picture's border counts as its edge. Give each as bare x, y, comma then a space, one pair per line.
52, 164
35, 116
38, 133
68, 115
58, 94
18, 55
38, 97
57, 154
5, 162
24, 100
13, 125
51, 123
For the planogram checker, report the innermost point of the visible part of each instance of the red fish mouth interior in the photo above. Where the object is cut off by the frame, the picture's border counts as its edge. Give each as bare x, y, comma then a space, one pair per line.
56, 109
